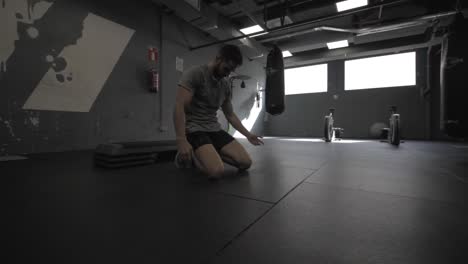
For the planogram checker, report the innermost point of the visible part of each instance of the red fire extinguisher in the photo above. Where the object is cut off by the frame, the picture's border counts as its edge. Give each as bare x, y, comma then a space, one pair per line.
153, 74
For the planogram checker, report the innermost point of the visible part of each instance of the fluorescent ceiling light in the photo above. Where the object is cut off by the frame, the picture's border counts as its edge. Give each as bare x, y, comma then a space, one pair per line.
286, 53
337, 44
259, 34
350, 4
252, 29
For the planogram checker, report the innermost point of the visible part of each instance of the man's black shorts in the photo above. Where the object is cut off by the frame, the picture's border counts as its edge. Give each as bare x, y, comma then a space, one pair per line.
218, 139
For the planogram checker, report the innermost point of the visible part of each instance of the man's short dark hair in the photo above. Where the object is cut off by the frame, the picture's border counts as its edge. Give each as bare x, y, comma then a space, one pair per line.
231, 53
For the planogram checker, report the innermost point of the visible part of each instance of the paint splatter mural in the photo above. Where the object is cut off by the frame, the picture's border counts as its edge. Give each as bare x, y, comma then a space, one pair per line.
69, 63
16, 13
77, 75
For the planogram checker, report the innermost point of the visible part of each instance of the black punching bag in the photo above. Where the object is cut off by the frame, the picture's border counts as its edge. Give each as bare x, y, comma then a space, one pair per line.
454, 77
274, 88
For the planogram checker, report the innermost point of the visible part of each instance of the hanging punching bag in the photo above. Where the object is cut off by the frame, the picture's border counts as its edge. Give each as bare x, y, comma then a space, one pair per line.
274, 88
454, 66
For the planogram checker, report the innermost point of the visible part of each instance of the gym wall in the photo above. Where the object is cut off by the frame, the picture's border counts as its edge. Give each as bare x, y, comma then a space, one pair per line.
72, 73
356, 111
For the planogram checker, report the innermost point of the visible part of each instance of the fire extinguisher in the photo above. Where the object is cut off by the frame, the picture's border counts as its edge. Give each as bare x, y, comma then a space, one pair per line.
153, 74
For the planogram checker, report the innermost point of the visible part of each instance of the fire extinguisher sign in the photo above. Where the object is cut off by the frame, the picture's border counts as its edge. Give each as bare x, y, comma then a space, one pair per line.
153, 70
154, 81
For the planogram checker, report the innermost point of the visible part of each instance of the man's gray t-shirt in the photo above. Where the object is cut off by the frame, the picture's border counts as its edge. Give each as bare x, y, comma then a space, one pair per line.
208, 96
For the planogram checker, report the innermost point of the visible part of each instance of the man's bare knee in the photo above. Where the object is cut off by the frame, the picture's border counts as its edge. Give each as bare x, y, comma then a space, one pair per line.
245, 164
215, 172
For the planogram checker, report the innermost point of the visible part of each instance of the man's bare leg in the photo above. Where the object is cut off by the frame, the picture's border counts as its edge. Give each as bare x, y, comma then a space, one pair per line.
236, 155
208, 161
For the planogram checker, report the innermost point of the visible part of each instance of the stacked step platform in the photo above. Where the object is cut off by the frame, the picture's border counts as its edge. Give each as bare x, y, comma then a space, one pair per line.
126, 154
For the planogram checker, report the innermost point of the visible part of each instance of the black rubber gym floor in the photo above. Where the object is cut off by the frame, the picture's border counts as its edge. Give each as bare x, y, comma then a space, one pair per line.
303, 201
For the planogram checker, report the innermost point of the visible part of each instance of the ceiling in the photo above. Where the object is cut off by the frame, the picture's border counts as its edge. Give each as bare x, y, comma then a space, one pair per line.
305, 26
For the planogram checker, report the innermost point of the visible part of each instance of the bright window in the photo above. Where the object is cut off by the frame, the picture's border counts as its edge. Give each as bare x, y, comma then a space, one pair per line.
309, 79
381, 72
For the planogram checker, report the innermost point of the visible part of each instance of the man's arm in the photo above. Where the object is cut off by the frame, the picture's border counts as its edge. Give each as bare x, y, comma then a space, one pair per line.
183, 99
237, 124
233, 119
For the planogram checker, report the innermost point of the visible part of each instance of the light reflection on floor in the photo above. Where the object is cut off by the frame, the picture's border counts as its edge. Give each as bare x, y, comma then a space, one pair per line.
341, 141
